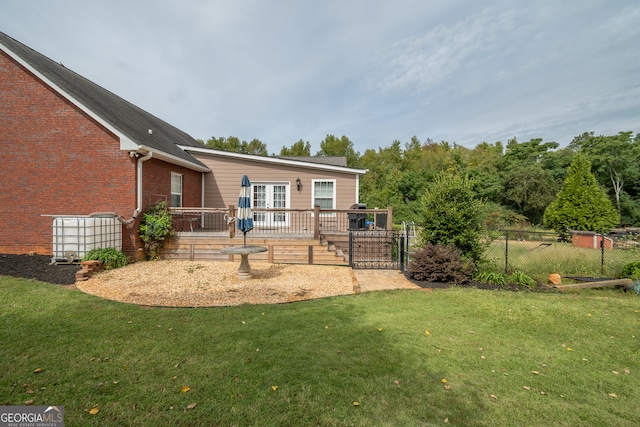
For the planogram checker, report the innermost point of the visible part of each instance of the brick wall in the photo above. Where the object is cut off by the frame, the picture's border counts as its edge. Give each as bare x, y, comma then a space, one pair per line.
56, 160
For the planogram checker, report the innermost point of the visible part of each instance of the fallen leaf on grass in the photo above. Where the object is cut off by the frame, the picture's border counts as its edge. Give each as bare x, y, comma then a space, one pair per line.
613, 395
192, 405
444, 380
615, 372
94, 410
627, 371
493, 396
447, 387
379, 329
526, 387
544, 393
356, 403
274, 387
28, 402
535, 372
37, 371
427, 333
185, 388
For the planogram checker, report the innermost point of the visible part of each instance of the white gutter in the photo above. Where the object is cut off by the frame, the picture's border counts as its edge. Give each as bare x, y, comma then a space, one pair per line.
139, 183
138, 186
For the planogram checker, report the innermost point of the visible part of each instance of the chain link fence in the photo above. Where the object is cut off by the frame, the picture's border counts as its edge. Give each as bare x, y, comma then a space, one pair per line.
576, 254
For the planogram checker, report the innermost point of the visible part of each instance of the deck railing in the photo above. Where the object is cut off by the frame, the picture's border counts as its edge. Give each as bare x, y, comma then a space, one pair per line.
299, 222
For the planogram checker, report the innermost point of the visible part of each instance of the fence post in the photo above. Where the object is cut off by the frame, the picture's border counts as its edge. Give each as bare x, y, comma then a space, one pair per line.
351, 249
506, 251
402, 243
389, 218
602, 254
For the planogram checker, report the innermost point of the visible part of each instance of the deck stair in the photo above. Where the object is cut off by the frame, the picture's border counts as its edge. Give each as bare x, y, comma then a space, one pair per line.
279, 250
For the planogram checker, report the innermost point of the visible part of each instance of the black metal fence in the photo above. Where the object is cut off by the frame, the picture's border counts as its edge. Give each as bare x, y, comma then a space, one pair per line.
377, 249
577, 254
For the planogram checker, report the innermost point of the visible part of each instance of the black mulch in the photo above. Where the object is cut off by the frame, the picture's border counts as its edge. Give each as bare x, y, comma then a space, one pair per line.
37, 267
480, 285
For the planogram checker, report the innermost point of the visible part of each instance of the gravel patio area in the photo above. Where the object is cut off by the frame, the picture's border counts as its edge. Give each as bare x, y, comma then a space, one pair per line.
204, 284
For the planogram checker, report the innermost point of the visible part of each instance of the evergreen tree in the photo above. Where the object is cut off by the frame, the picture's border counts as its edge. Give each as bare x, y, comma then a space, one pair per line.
581, 204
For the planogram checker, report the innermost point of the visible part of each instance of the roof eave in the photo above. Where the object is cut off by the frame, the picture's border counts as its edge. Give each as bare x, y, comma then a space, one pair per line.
169, 158
273, 160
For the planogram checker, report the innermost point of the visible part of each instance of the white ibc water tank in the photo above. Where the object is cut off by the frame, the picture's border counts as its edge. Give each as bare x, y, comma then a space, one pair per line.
74, 236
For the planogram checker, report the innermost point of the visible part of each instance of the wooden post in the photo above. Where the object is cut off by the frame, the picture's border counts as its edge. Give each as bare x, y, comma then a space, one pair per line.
316, 222
232, 224
389, 218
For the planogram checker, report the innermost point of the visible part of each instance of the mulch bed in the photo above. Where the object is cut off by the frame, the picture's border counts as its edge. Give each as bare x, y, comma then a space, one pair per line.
37, 267
480, 285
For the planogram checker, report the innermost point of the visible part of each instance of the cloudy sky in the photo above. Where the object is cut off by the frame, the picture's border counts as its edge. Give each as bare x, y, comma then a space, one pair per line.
463, 71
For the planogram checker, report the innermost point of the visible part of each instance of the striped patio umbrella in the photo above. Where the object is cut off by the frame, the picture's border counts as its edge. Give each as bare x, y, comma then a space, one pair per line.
244, 219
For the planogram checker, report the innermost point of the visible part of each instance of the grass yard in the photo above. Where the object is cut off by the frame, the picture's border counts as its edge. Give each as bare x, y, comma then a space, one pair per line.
403, 358
538, 259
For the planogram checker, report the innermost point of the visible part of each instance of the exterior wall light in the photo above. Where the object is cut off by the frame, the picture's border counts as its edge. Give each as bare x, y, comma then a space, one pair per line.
299, 184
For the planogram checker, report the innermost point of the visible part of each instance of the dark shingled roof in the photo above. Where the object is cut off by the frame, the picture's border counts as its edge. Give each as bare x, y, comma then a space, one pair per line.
128, 119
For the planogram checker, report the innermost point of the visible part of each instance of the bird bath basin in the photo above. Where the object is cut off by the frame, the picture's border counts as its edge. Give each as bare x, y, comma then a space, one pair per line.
244, 271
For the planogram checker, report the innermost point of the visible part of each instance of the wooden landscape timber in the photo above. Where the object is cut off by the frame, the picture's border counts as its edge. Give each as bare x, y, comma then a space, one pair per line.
596, 284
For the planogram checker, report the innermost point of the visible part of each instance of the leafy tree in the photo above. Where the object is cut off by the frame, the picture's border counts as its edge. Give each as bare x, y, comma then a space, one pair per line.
332, 146
581, 204
527, 186
530, 189
233, 144
452, 214
483, 167
298, 149
614, 159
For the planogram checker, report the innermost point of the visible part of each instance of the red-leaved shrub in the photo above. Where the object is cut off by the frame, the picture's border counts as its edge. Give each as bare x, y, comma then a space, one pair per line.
440, 263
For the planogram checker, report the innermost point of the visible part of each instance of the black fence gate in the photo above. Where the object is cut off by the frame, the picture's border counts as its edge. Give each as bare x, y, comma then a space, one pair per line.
377, 249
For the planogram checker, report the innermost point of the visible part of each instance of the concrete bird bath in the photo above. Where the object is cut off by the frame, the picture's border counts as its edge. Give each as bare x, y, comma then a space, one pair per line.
244, 271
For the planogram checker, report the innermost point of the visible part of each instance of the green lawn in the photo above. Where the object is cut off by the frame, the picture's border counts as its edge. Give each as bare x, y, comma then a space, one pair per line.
538, 359
539, 259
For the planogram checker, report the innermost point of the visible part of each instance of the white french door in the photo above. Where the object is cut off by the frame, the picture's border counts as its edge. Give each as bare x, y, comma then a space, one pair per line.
270, 196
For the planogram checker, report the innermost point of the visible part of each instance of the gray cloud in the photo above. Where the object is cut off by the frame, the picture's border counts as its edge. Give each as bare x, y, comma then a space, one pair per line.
376, 71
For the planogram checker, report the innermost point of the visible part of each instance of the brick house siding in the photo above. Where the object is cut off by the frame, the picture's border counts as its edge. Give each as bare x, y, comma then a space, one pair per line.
57, 160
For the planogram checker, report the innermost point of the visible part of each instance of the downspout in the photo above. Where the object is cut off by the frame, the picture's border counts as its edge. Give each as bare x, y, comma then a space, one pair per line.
138, 189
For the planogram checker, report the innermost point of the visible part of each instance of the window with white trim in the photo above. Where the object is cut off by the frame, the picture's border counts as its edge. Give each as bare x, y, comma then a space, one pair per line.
324, 193
176, 190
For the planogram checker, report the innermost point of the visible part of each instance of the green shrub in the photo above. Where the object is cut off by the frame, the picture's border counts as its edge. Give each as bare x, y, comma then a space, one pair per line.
452, 214
631, 271
155, 227
491, 277
111, 257
521, 279
440, 263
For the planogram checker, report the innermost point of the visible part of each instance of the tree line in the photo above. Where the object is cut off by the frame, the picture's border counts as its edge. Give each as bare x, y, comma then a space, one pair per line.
517, 181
